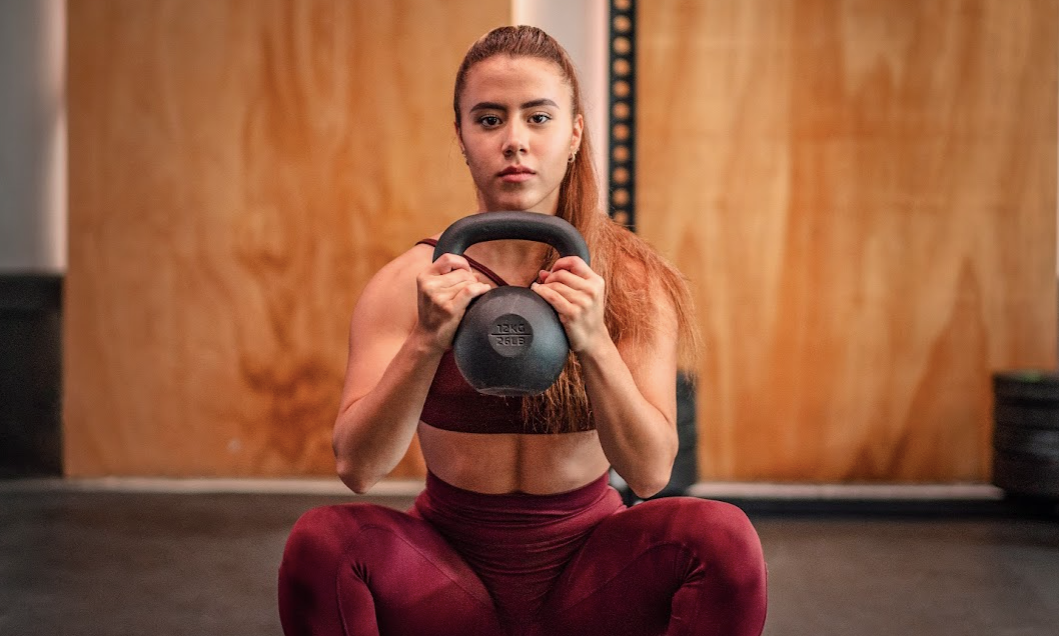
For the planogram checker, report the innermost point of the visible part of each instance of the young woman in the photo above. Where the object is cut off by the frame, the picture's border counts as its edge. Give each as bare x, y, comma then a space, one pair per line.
518, 531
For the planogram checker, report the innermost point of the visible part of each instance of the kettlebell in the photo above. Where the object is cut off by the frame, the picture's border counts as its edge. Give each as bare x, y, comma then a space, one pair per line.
510, 341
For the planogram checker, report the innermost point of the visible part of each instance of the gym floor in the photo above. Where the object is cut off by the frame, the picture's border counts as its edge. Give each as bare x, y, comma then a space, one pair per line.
120, 561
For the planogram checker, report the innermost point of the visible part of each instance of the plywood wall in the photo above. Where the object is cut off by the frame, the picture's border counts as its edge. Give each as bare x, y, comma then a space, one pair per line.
863, 193
238, 170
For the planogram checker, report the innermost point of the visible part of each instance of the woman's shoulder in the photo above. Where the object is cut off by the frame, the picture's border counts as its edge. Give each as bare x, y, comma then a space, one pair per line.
412, 260
394, 285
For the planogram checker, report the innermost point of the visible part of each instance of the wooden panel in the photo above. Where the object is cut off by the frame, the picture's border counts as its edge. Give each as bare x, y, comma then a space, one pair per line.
238, 170
863, 193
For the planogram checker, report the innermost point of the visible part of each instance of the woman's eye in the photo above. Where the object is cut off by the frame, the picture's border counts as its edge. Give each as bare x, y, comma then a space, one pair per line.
489, 121
540, 118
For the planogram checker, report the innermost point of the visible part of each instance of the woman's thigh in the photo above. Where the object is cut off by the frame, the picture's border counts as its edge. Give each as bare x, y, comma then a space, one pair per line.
363, 569
670, 566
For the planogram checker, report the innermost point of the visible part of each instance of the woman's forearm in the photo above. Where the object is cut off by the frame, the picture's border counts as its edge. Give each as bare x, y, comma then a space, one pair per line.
373, 433
639, 441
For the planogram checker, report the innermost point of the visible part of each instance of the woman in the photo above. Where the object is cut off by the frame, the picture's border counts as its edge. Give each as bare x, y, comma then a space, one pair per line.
518, 531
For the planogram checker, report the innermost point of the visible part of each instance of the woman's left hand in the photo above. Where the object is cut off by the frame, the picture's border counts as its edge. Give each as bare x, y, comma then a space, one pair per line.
577, 294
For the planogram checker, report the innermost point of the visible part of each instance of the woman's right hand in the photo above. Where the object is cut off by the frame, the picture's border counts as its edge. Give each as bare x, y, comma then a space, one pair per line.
445, 289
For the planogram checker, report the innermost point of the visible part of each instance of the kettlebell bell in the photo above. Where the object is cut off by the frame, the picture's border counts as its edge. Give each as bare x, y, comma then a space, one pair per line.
510, 341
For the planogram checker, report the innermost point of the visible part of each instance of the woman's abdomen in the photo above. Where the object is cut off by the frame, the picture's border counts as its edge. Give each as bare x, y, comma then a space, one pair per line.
507, 463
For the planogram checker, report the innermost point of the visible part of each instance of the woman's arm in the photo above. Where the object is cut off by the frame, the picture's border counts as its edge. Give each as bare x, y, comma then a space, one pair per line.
632, 390
401, 326
633, 397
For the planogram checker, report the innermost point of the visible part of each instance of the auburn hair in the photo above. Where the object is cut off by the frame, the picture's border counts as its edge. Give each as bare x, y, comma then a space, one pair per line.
636, 277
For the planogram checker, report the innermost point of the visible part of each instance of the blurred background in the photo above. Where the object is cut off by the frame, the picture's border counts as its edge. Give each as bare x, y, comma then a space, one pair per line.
861, 193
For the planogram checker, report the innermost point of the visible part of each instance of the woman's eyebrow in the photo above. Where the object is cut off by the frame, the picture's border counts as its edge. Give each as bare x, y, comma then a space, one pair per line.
533, 103
488, 106
536, 103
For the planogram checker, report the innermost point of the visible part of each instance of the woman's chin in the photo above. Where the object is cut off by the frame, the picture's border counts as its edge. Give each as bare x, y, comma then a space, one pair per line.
518, 205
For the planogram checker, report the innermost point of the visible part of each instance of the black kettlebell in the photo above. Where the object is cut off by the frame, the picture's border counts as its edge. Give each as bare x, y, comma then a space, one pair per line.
510, 341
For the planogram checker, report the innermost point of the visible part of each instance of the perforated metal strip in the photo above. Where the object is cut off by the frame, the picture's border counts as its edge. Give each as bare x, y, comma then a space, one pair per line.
622, 134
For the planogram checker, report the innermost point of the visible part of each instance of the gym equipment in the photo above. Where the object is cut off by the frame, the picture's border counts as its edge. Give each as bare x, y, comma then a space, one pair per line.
510, 341
1026, 433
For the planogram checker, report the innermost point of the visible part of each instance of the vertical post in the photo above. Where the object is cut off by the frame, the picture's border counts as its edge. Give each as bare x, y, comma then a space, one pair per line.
32, 234
581, 27
622, 132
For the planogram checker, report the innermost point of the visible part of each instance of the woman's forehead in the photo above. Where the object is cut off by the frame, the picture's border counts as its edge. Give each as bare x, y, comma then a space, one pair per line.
513, 80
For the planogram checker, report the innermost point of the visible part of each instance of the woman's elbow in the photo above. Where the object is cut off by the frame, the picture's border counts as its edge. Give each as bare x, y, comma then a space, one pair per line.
354, 477
649, 487
654, 476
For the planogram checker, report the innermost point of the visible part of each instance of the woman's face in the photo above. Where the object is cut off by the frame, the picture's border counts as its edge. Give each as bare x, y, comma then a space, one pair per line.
517, 130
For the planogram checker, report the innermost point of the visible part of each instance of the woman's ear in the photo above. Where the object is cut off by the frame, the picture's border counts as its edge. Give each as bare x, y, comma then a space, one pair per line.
579, 128
459, 138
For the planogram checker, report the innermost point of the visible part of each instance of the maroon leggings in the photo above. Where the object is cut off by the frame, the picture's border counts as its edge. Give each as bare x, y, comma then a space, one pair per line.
580, 563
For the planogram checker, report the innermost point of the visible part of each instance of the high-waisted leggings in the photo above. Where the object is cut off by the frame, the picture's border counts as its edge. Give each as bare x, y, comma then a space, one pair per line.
465, 563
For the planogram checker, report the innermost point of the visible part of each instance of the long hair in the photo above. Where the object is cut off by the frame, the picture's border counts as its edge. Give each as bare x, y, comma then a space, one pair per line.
633, 272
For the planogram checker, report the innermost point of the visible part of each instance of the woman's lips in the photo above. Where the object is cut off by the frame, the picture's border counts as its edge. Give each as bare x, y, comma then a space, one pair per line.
515, 177
515, 174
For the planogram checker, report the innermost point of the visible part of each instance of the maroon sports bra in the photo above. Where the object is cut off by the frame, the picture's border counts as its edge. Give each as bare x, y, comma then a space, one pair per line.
453, 405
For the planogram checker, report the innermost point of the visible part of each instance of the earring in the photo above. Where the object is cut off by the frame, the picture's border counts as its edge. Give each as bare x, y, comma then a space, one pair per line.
573, 155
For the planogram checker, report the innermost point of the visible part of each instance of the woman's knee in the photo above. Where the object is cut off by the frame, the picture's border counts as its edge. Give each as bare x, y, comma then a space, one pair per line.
322, 535
728, 523
735, 552
719, 534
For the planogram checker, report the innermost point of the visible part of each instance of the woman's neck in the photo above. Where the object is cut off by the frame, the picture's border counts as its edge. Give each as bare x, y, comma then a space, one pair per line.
517, 262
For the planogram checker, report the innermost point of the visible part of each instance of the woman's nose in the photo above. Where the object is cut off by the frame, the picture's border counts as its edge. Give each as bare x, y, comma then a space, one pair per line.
515, 142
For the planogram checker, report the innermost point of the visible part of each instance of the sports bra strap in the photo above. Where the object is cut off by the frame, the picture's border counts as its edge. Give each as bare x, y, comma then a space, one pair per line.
488, 273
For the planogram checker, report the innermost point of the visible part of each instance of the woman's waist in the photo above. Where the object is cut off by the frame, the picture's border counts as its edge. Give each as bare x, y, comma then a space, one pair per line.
492, 486
517, 543
515, 517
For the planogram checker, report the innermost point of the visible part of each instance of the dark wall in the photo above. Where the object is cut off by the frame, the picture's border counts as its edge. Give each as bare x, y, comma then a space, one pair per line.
30, 375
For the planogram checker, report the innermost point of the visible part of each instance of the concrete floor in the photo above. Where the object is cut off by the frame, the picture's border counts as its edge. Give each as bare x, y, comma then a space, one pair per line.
113, 563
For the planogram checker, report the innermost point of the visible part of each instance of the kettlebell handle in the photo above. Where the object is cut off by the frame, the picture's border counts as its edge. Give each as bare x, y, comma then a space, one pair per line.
494, 226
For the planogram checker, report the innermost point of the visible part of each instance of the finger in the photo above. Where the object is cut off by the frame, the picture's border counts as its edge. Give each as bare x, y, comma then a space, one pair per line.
472, 291
457, 294
573, 264
455, 277
577, 302
454, 302
449, 262
460, 292
432, 278
562, 305
571, 280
